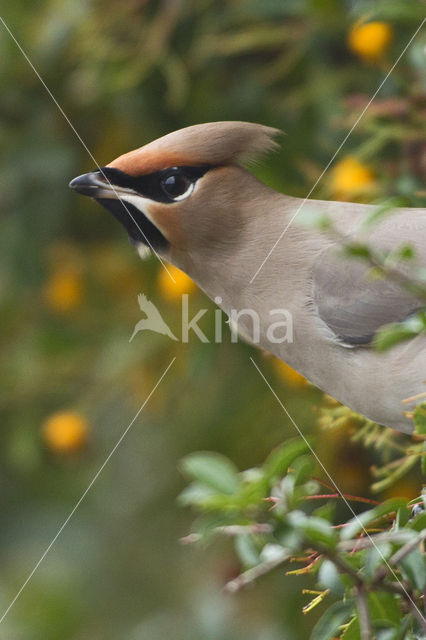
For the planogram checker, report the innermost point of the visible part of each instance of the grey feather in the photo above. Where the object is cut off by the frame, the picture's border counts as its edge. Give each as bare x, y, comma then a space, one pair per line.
349, 301
353, 305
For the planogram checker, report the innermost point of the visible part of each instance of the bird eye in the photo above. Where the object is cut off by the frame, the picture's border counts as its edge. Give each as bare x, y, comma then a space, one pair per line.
176, 186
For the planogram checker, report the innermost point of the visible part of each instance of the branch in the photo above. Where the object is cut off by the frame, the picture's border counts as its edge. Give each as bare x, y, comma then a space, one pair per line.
373, 540
407, 548
363, 613
231, 530
255, 572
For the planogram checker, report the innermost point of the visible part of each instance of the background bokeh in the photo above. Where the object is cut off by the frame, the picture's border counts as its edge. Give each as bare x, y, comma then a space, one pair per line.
125, 73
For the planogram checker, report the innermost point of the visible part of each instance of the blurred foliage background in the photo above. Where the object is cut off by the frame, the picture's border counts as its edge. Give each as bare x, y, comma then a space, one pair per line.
125, 73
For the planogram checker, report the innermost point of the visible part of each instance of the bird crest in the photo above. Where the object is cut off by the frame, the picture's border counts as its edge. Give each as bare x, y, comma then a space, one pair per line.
212, 143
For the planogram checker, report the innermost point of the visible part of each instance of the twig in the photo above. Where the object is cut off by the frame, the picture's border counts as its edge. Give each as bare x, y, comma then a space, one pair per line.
407, 548
241, 529
416, 397
306, 569
344, 496
365, 543
363, 613
255, 572
424, 601
231, 530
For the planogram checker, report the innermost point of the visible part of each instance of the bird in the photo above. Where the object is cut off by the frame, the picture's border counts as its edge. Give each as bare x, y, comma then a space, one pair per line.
192, 198
153, 321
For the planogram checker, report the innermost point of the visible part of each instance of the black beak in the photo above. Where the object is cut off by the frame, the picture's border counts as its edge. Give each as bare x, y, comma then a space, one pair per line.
140, 229
91, 184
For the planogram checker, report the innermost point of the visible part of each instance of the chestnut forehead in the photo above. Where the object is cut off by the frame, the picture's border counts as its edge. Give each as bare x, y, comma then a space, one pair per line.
143, 162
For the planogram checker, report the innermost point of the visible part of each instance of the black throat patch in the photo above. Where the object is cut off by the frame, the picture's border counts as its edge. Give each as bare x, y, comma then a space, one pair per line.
136, 223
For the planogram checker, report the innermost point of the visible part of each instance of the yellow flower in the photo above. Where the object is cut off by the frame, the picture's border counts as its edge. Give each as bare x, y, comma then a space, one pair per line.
351, 178
371, 40
173, 290
289, 375
65, 432
64, 291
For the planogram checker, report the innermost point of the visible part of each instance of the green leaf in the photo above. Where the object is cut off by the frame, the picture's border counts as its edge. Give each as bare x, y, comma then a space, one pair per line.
315, 529
352, 631
195, 493
418, 523
406, 252
328, 625
272, 552
423, 459
290, 538
381, 210
304, 467
413, 568
208, 524
329, 578
419, 418
358, 524
391, 334
280, 459
246, 550
402, 517
319, 530
287, 487
357, 250
212, 470
312, 218
384, 609
325, 511
374, 557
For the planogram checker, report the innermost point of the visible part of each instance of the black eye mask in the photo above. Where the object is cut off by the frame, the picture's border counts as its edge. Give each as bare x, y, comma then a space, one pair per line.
165, 186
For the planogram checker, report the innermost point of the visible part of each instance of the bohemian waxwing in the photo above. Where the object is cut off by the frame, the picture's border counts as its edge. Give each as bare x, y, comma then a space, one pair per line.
188, 197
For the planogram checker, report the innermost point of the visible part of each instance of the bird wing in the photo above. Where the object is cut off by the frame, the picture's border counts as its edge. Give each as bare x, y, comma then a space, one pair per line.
349, 301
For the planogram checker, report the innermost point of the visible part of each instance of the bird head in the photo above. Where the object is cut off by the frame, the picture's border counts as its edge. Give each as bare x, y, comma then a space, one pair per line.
183, 192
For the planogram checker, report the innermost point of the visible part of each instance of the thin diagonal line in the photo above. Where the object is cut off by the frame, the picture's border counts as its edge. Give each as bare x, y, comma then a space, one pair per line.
337, 489
82, 141
339, 148
84, 494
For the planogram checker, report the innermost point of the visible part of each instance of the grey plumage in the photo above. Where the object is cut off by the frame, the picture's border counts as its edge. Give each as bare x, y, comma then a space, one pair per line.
352, 303
221, 227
